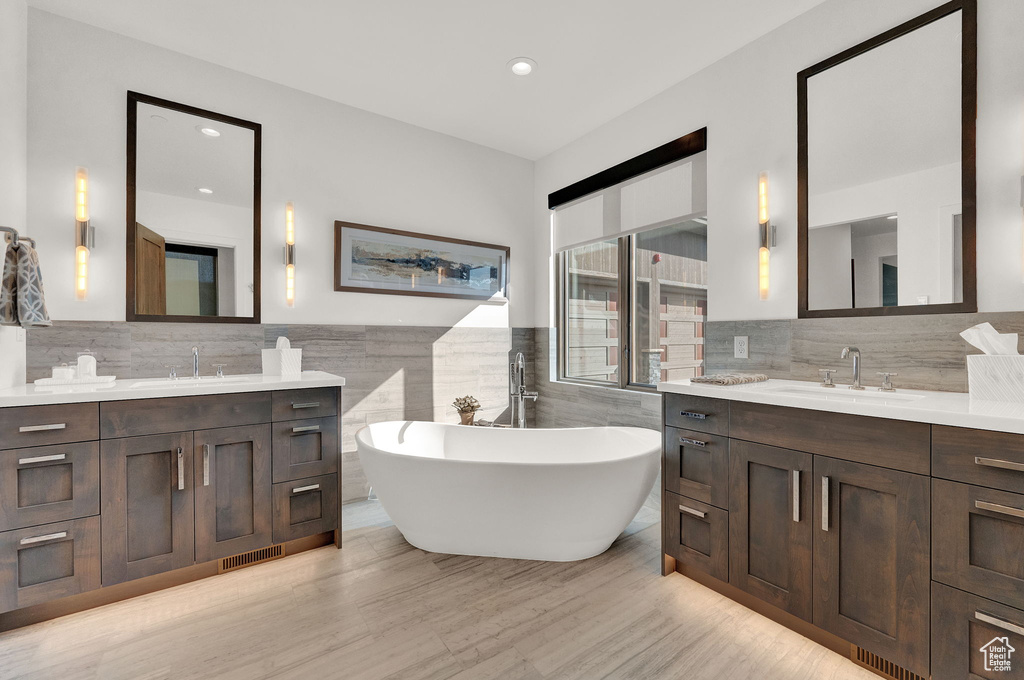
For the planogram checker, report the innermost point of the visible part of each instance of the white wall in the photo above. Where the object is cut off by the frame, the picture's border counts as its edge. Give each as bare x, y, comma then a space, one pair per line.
13, 122
829, 250
748, 102
335, 162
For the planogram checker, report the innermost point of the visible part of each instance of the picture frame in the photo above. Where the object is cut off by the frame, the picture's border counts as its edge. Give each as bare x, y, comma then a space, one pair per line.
369, 259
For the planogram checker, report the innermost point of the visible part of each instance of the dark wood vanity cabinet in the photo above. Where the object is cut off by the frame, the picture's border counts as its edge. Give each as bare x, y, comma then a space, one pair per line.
95, 495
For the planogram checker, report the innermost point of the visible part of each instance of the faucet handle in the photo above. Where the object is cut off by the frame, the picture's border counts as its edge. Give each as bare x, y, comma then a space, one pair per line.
220, 369
826, 378
886, 382
173, 370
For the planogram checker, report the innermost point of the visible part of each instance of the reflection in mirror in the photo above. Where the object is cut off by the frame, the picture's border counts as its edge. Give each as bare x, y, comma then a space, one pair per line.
884, 173
196, 222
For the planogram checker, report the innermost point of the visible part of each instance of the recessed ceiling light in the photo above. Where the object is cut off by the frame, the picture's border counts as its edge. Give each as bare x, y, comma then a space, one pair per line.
158, 118
208, 131
204, 190
522, 66
891, 217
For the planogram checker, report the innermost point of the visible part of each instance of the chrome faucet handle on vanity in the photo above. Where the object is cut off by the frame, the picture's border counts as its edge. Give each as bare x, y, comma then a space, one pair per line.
220, 369
826, 376
886, 381
173, 368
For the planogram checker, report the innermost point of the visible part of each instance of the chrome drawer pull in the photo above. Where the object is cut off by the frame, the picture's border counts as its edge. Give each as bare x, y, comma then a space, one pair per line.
305, 428
206, 465
42, 428
999, 623
694, 415
1001, 509
311, 487
42, 459
996, 463
693, 442
311, 404
824, 503
46, 537
691, 511
796, 495
181, 469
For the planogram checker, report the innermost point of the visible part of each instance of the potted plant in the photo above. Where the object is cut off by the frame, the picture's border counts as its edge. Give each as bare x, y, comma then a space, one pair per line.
467, 407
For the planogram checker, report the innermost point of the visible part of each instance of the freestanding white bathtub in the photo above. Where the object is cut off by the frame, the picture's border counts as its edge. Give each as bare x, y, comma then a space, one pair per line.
557, 495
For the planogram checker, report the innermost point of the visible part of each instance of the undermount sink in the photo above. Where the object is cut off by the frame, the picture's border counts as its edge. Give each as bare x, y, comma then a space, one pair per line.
187, 382
843, 393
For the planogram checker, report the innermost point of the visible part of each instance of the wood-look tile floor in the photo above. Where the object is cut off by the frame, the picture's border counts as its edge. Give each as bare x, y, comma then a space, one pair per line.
381, 609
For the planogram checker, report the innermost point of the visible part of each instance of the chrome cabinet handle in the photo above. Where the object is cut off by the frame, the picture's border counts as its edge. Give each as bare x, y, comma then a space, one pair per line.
796, 495
306, 428
824, 503
693, 442
999, 623
691, 511
1001, 509
181, 470
206, 465
42, 428
996, 463
311, 487
311, 404
46, 537
42, 459
694, 415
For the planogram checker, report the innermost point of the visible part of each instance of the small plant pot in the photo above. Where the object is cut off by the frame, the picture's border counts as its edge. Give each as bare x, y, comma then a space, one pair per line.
467, 417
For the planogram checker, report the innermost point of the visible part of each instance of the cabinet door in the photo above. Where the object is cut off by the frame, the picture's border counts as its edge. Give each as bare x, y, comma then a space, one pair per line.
871, 559
770, 525
47, 484
147, 513
305, 448
234, 508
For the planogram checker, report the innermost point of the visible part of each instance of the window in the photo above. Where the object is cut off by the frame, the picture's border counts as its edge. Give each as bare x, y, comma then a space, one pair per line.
632, 270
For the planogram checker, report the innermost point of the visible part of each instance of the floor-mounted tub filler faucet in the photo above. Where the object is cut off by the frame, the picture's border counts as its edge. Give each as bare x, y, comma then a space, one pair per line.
847, 351
517, 380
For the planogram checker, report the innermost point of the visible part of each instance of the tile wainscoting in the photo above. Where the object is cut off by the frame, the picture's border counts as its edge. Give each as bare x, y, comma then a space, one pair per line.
392, 372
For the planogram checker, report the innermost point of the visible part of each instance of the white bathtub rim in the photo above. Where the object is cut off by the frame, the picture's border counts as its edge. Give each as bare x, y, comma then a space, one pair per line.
655, 450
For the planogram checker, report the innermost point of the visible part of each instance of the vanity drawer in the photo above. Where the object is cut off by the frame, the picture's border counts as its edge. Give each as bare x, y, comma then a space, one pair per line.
179, 414
979, 457
697, 466
894, 444
963, 626
305, 507
42, 425
319, 402
47, 562
978, 541
697, 535
305, 448
701, 414
47, 484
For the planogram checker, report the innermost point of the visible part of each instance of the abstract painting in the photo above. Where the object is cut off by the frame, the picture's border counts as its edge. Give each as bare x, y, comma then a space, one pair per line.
379, 260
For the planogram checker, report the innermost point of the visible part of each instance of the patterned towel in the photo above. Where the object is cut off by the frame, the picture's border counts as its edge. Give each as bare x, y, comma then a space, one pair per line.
22, 299
725, 379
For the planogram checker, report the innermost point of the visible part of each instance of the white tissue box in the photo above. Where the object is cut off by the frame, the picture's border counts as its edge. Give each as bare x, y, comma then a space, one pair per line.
997, 377
282, 362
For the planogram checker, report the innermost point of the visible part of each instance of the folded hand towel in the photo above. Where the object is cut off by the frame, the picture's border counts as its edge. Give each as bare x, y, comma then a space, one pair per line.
22, 299
724, 379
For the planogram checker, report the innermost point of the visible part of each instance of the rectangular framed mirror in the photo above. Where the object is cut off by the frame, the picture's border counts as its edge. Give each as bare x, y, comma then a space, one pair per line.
886, 163
193, 214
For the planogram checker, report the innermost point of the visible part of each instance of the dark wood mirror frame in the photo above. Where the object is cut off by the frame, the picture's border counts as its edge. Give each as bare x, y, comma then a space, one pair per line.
134, 99
969, 98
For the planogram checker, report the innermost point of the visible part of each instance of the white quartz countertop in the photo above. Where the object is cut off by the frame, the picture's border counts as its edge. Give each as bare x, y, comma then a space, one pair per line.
937, 408
151, 388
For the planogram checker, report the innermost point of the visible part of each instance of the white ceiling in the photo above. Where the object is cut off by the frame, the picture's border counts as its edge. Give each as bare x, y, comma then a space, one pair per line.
441, 64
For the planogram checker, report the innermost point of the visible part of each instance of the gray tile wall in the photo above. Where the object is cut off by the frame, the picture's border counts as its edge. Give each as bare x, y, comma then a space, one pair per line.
392, 372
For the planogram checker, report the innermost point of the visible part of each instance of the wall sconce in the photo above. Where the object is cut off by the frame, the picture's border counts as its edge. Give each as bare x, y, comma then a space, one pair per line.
85, 234
289, 254
767, 236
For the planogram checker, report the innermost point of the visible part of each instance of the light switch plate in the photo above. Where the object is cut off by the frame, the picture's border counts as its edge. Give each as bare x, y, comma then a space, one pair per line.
741, 347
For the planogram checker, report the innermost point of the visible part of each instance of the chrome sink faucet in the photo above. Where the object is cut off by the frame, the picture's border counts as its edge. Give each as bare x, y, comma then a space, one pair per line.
847, 351
517, 381
195, 362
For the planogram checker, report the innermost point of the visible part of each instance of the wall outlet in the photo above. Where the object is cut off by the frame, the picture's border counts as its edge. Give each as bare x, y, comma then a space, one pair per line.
741, 348
20, 335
